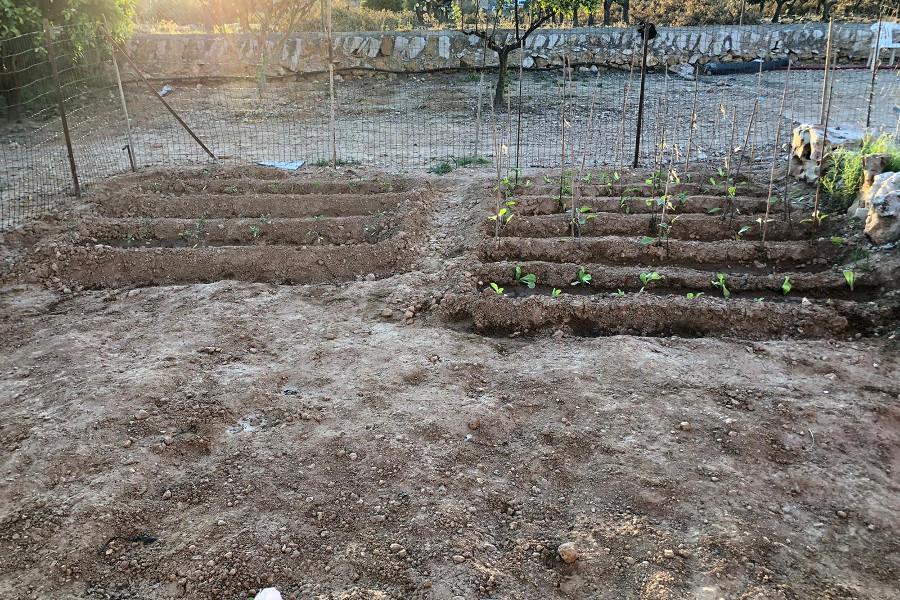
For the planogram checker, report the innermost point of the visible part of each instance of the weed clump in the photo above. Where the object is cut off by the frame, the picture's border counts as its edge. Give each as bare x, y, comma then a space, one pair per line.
844, 179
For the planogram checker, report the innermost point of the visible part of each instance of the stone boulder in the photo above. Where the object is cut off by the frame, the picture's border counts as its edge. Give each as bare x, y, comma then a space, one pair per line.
883, 200
810, 144
873, 166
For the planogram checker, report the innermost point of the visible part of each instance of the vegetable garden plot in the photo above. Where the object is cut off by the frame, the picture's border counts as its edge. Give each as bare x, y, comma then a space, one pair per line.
639, 259
250, 224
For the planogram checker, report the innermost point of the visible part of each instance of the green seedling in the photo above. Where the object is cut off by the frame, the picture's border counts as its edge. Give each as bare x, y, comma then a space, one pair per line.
497, 289
587, 178
319, 218
232, 189
692, 295
646, 278
556, 292
720, 283
547, 179
739, 235
503, 216
265, 219
647, 240
584, 278
619, 293
817, 218
713, 211
850, 276
837, 241
254, 230
147, 222
786, 286
528, 280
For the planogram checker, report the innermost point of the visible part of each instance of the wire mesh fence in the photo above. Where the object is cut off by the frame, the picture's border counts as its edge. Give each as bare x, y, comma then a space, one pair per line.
397, 122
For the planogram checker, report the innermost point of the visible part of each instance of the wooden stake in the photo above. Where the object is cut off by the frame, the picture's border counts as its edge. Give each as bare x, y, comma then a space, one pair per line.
687, 161
825, 80
140, 74
130, 146
765, 223
51, 55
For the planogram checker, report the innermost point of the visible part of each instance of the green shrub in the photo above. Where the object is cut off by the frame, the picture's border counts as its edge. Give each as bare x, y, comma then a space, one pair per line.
391, 5
845, 177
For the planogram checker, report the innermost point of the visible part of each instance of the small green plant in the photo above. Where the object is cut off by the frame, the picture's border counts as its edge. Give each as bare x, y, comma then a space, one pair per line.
441, 168
129, 240
692, 295
254, 231
497, 289
147, 222
556, 292
739, 235
850, 276
265, 219
530, 280
319, 218
646, 278
786, 286
584, 278
232, 189
647, 240
817, 217
465, 161
837, 241
720, 283
619, 293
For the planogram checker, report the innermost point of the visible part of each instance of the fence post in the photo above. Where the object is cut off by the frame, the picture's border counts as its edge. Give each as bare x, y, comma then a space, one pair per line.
62, 109
645, 31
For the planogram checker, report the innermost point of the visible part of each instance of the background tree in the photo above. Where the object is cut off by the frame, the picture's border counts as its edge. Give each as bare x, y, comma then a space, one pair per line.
262, 19
525, 20
78, 20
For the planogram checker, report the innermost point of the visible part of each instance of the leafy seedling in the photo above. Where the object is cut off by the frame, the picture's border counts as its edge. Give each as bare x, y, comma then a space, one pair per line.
647, 240
837, 241
497, 289
739, 235
647, 278
528, 280
720, 283
556, 292
265, 219
584, 278
692, 295
619, 293
254, 230
129, 240
786, 286
850, 276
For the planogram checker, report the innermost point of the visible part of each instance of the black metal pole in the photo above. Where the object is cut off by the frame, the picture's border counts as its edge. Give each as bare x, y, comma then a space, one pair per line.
640, 118
51, 56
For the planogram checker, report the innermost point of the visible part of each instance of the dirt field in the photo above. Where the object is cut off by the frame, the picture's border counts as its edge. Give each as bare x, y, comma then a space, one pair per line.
191, 408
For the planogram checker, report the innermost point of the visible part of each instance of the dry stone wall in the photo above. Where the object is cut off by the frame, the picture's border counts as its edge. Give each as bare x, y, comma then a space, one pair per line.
206, 55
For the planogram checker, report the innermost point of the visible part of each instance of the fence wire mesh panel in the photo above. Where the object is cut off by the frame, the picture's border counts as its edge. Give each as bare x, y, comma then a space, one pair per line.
398, 121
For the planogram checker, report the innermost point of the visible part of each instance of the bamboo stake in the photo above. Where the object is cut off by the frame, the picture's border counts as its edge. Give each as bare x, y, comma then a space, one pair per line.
519, 124
130, 146
51, 56
765, 223
827, 63
334, 160
787, 171
140, 75
819, 173
875, 56
687, 161
640, 117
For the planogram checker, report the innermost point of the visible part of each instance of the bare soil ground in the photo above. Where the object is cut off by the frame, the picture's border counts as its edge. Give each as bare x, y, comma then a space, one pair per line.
352, 436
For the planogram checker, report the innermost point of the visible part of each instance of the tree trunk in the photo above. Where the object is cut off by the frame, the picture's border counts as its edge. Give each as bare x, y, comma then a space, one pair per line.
575, 17
590, 19
503, 59
626, 6
779, 5
607, 6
